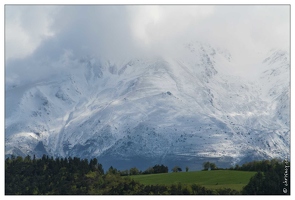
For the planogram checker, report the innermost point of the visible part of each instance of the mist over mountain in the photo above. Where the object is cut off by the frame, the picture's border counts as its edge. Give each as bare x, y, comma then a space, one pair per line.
139, 85
138, 112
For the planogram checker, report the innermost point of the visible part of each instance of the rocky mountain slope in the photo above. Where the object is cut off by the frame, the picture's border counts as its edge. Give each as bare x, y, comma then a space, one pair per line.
138, 112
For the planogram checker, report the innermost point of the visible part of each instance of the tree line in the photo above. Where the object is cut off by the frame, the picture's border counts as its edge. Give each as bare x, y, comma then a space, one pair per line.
48, 176
272, 177
150, 170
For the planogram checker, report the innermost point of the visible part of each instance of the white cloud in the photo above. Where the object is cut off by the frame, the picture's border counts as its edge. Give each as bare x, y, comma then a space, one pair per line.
25, 28
41, 34
163, 28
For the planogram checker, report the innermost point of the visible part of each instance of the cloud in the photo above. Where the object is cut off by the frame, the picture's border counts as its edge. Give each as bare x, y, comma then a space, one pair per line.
38, 36
162, 29
26, 27
250, 31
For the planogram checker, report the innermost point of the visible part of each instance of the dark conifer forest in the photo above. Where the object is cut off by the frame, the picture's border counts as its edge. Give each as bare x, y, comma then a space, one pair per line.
62, 176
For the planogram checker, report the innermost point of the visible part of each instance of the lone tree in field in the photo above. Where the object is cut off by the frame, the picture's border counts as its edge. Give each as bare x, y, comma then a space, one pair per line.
208, 165
213, 166
176, 169
186, 169
134, 171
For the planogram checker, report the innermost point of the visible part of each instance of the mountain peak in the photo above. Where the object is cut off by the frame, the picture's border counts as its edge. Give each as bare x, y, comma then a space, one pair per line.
184, 109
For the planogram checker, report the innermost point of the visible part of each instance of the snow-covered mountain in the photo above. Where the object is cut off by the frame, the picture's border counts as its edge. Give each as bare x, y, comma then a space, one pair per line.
138, 112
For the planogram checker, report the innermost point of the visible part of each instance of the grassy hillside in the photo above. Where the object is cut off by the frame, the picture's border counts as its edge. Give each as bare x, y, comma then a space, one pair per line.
210, 179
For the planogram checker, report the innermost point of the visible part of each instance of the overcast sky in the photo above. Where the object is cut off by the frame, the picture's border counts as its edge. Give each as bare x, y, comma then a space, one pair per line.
35, 35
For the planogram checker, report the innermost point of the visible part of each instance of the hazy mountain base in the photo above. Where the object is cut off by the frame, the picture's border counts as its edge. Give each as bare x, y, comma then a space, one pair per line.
142, 163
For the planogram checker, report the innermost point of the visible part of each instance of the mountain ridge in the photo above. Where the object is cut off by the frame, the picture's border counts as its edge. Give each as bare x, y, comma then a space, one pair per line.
162, 109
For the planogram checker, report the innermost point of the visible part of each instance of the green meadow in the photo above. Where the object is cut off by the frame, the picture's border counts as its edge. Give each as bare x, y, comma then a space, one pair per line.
213, 179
